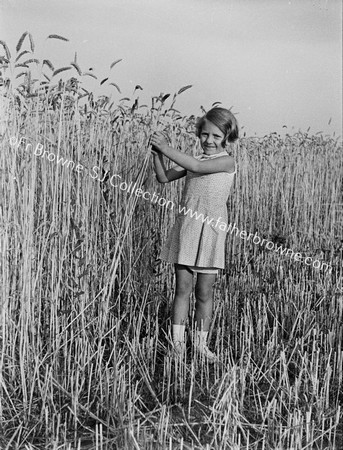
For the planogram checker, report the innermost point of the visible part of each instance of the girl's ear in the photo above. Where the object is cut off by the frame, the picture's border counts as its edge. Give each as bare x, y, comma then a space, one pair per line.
225, 143
229, 149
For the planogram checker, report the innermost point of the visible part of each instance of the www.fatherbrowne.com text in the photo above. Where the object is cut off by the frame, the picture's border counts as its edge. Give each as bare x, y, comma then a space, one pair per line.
132, 189
223, 226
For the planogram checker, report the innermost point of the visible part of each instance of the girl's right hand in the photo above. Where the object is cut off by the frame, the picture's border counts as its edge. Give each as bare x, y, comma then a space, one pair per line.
154, 150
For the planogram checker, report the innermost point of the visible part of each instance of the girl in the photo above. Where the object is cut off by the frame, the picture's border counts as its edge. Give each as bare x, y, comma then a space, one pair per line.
195, 243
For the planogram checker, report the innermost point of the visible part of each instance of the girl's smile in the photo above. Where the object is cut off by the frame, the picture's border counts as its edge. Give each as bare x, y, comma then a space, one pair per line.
211, 138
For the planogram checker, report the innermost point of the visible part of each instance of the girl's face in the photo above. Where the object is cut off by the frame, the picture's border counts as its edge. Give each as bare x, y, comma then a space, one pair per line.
211, 138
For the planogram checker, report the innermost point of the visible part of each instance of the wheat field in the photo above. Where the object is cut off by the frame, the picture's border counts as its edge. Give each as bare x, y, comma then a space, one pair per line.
85, 360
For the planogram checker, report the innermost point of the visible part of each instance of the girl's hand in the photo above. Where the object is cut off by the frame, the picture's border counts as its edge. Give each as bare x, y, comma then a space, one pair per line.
154, 151
159, 141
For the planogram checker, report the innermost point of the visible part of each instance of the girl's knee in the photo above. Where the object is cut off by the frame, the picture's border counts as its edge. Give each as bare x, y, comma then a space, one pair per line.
183, 287
203, 294
183, 290
184, 281
204, 289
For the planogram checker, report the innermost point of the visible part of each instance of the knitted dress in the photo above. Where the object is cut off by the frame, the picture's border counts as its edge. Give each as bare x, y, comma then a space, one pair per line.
196, 239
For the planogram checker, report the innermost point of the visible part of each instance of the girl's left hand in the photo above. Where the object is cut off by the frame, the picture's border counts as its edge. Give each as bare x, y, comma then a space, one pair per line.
159, 141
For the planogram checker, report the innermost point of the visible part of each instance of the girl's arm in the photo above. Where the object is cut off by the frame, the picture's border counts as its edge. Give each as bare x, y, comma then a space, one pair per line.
222, 164
162, 174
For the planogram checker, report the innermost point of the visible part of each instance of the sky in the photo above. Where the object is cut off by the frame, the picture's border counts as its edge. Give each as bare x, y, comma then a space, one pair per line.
276, 63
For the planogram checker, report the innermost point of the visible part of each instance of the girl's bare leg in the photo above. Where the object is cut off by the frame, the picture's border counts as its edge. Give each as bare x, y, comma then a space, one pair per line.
184, 286
204, 300
203, 313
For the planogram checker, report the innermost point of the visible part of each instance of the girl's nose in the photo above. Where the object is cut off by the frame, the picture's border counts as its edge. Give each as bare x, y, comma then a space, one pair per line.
209, 140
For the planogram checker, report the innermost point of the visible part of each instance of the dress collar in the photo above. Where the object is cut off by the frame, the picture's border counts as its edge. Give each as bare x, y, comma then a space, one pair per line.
203, 155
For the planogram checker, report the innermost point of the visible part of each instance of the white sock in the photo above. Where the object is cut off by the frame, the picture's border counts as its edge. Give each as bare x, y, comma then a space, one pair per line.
179, 333
201, 338
201, 345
